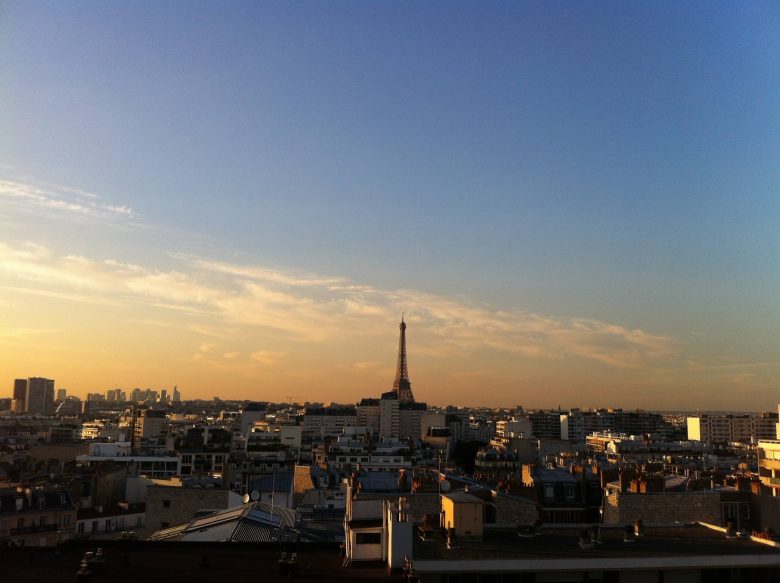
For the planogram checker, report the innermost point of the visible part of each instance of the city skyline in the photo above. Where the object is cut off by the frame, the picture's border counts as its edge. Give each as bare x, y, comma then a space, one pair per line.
572, 206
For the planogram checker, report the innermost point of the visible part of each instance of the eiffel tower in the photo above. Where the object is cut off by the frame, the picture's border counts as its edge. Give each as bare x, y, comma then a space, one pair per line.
402, 387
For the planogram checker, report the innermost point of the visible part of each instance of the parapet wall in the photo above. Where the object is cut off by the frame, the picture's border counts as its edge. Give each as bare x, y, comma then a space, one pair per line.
662, 508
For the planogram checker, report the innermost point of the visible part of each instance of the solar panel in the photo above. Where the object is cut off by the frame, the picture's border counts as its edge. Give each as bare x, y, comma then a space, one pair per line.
230, 514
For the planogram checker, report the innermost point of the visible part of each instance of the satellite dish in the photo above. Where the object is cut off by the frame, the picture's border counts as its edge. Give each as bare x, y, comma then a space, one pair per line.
246, 498
255, 495
445, 486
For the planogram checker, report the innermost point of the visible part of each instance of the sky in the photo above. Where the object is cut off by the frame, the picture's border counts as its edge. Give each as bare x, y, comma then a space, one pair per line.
574, 203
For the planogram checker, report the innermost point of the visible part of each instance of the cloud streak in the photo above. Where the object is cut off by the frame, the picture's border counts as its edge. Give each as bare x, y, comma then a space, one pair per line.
64, 201
308, 308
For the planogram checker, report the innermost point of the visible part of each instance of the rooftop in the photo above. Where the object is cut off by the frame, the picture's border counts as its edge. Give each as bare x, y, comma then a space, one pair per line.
195, 562
558, 543
254, 522
461, 496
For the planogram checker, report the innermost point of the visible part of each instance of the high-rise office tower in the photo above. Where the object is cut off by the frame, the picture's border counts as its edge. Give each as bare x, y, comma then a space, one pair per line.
20, 394
39, 396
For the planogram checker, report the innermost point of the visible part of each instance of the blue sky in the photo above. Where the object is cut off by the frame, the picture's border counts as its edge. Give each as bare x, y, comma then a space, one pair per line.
612, 161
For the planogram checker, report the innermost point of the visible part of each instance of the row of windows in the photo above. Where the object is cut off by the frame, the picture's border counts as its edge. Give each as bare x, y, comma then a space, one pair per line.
569, 491
159, 465
63, 520
187, 459
384, 460
110, 524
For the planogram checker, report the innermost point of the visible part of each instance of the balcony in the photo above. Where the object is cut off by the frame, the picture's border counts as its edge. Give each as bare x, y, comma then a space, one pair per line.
769, 464
774, 482
34, 528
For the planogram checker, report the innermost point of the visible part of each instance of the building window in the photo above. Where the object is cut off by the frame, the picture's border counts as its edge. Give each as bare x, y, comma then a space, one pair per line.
81, 528
20, 523
166, 503
42, 521
368, 538
549, 492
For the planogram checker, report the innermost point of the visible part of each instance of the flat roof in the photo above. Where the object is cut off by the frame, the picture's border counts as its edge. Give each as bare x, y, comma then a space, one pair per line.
462, 496
193, 562
559, 543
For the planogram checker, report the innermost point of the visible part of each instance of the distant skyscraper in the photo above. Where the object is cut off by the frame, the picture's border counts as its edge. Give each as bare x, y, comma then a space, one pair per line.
20, 393
62, 394
39, 396
176, 394
402, 387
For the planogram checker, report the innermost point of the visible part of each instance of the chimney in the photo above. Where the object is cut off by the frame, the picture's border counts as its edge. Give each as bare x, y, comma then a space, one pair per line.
595, 534
639, 529
585, 541
628, 534
731, 529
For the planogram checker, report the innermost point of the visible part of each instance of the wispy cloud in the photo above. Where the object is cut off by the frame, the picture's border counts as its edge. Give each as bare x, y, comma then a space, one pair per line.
27, 332
309, 308
367, 364
65, 201
272, 276
267, 357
